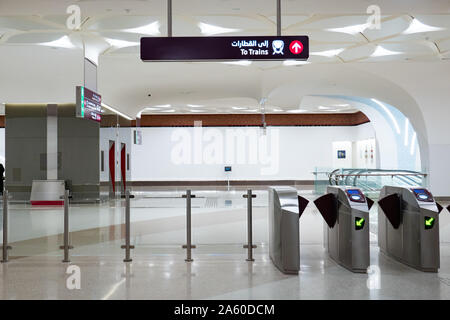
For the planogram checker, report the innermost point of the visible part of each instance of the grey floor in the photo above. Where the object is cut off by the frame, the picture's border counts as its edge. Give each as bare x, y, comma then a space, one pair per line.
219, 272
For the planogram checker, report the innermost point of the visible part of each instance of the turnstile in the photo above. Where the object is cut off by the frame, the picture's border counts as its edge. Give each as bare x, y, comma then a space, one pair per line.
408, 226
285, 209
346, 213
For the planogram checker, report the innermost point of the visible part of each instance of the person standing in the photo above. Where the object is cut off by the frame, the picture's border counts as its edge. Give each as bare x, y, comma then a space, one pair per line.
2, 171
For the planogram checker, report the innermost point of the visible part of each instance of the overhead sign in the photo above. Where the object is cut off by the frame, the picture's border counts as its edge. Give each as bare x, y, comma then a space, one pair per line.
224, 48
89, 104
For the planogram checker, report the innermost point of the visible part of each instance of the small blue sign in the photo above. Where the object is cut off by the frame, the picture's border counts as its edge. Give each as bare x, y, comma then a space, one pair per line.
341, 154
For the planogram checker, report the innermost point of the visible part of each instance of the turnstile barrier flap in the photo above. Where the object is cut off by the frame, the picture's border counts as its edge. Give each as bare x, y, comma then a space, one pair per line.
440, 208
302, 203
448, 208
391, 208
370, 202
327, 206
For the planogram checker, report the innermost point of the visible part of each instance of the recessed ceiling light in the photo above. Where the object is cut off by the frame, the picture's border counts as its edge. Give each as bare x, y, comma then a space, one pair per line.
209, 29
239, 63
195, 106
277, 110
297, 111
328, 53
294, 62
121, 43
151, 29
163, 106
239, 108
196, 110
380, 51
324, 108
63, 42
358, 28
416, 26
151, 109
250, 110
170, 110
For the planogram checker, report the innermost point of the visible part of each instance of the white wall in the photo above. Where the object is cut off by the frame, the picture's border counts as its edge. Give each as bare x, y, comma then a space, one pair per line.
296, 152
347, 161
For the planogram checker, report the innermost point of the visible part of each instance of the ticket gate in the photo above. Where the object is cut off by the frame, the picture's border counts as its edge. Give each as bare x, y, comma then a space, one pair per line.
346, 213
285, 210
408, 226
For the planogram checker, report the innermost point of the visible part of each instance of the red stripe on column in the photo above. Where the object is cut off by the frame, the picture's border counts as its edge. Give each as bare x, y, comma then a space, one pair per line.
112, 166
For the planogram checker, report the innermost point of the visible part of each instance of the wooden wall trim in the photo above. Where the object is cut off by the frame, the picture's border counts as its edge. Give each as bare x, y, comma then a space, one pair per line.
233, 120
237, 120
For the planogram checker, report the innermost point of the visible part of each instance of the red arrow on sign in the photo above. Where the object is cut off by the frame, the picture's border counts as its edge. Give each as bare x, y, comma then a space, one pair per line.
296, 47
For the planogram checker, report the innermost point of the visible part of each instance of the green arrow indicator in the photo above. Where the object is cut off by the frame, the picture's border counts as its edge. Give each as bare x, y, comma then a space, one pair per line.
429, 222
359, 223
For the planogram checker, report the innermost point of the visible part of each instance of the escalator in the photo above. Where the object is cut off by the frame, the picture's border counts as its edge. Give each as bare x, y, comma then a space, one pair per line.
370, 181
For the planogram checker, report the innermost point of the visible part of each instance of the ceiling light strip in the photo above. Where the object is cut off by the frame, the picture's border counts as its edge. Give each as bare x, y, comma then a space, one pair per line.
104, 105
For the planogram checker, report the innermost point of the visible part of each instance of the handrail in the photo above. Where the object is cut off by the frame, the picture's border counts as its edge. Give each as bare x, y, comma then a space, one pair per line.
381, 175
343, 175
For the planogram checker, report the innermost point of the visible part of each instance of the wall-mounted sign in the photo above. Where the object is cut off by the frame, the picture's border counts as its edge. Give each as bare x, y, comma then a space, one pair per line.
341, 154
89, 104
224, 48
228, 169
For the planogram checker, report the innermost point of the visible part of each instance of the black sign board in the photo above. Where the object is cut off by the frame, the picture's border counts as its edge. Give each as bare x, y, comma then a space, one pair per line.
89, 104
224, 48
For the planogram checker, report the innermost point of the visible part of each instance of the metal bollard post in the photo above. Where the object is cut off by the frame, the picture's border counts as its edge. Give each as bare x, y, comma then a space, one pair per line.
250, 246
66, 246
5, 227
127, 245
188, 246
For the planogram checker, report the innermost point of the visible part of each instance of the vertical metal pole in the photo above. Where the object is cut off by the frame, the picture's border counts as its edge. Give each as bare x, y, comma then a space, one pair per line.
249, 226
66, 226
188, 246
169, 18
127, 227
278, 18
5, 226
250, 246
127, 245
188, 226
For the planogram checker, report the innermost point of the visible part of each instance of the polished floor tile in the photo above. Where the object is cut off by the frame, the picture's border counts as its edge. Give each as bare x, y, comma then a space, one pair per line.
218, 272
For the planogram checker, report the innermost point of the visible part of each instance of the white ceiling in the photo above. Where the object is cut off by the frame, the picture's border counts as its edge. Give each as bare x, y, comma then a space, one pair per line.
205, 87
